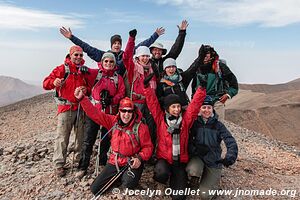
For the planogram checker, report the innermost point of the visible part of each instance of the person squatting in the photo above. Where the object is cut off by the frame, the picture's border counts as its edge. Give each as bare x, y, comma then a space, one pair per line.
136, 106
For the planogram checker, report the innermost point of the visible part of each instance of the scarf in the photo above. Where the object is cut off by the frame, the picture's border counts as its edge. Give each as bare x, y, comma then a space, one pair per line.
142, 71
174, 129
175, 78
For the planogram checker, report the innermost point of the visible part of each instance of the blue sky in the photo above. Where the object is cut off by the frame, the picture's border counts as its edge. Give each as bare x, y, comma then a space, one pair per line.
259, 39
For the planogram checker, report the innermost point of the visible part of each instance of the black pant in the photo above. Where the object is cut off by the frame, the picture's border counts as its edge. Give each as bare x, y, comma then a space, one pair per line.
178, 176
109, 171
90, 135
149, 121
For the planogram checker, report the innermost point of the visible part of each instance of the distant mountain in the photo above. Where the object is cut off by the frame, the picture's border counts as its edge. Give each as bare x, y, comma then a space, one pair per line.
270, 109
267, 88
13, 90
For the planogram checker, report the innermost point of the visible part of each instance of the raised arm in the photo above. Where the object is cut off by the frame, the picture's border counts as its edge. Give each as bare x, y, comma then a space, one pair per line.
97, 116
153, 105
128, 56
92, 52
190, 73
193, 108
158, 32
178, 45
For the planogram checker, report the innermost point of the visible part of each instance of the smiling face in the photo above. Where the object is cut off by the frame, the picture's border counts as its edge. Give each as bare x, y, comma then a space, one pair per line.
116, 46
157, 53
126, 115
76, 57
206, 111
108, 63
175, 109
144, 59
170, 70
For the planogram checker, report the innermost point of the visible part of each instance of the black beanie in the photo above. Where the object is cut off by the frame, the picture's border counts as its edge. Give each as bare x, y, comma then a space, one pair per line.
171, 99
115, 38
208, 101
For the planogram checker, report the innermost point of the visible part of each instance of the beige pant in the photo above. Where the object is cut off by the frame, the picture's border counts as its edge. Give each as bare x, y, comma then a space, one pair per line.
67, 122
210, 177
220, 110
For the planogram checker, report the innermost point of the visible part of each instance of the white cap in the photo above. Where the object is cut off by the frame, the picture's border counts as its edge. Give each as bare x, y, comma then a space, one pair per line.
169, 62
142, 50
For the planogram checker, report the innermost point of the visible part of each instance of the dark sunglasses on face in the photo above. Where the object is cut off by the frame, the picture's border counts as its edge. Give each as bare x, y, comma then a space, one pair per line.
110, 61
76, 54
124, 111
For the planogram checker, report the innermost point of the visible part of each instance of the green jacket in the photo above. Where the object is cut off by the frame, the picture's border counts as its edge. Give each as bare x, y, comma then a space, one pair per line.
218, 84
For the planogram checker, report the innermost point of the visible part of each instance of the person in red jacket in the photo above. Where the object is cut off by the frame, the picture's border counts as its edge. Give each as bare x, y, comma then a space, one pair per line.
139, 67
130, 141
64, 79
172, 136
108, 89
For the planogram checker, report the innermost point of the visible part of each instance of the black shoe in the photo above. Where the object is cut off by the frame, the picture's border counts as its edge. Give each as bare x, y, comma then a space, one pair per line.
194, 182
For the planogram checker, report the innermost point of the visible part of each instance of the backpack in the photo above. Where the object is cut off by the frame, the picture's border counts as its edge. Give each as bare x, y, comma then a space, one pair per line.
134, 132
59, 100
99, 76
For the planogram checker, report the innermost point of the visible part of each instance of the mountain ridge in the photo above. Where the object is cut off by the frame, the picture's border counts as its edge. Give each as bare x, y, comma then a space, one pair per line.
14, 90
27, 132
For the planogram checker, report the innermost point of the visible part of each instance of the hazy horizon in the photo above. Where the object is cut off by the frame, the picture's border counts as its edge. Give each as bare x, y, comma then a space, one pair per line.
258, 39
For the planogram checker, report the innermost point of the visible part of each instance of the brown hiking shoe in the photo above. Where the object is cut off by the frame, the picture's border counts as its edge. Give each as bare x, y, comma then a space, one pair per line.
60, 172
80, 174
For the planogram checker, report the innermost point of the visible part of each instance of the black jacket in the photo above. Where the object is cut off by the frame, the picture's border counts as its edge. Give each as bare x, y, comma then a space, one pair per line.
179, 88
157, 64
205, 140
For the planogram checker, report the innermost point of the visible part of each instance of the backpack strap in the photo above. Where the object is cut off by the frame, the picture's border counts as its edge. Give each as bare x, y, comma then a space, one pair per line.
99, 76
134, 131
60, 100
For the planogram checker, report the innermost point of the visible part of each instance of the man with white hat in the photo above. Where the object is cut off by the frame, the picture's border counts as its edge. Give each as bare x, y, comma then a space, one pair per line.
159, 53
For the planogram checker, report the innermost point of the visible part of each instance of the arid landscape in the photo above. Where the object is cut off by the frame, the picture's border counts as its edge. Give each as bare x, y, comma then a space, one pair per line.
27, 130
273, 110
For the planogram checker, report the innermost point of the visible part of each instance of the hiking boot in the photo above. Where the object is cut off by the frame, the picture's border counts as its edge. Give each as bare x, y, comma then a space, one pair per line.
80, 174
60, 172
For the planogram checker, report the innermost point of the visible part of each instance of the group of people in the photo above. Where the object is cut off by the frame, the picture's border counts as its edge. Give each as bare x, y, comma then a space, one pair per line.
136, 103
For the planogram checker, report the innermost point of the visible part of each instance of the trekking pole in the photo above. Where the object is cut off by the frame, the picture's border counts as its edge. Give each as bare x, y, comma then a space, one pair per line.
110, 182
96, 172
75, 140
103, 95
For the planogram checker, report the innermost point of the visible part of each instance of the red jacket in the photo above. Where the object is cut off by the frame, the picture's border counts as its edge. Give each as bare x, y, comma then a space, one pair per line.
164, 138
136, 83
107, 82
66, 91
120, 140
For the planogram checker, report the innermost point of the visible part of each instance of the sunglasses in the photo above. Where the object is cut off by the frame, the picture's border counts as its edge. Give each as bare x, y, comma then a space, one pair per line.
124, 111
76, 54
110, 61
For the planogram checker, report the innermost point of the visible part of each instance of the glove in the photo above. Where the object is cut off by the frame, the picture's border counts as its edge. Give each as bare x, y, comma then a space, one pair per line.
106, 102
226, 162
133, 33
148, 79
84, 69
202, 80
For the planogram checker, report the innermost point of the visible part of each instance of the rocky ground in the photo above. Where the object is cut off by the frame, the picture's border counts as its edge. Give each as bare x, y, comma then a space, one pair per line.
27, 131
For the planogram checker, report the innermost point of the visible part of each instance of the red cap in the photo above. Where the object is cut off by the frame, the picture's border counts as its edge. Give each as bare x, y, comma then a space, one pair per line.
75, 48
126, 103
